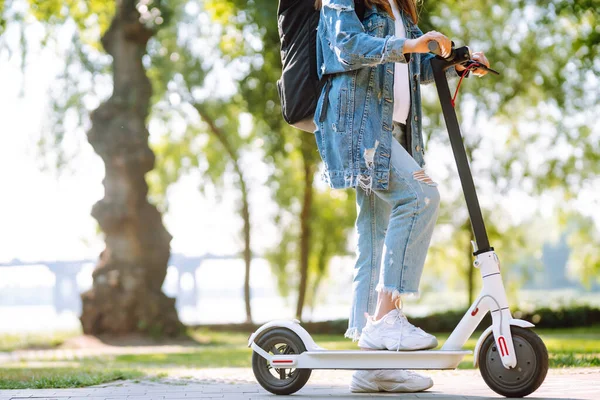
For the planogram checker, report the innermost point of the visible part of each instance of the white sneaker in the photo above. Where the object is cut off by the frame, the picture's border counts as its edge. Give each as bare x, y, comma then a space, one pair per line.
394, 380
394, 332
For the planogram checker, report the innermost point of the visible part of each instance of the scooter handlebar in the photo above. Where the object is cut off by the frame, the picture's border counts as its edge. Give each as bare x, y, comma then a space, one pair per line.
461, 55
434, 47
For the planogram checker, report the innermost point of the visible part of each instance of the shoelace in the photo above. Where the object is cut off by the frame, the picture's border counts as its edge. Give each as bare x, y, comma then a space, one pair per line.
405, 325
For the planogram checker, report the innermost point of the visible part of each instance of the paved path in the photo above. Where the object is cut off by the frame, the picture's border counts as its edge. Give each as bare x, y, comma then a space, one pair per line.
238, 383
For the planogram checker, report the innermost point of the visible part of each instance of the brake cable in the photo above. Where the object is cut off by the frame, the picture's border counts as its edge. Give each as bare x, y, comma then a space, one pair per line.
473, 65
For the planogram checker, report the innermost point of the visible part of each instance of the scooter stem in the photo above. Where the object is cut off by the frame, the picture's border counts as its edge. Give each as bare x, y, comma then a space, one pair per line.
439, 65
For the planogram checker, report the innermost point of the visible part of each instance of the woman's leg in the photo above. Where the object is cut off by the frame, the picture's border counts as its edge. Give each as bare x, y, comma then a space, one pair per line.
408, 202
373, 214
371, 223
414, 200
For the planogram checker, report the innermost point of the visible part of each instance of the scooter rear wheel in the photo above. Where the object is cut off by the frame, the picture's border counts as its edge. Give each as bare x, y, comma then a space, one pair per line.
531, 369
279, 380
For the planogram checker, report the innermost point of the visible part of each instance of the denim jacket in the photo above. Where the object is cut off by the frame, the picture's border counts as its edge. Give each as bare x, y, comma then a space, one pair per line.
354, 111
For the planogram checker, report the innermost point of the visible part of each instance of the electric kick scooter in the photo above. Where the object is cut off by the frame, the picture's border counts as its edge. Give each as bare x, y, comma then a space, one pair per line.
512, 359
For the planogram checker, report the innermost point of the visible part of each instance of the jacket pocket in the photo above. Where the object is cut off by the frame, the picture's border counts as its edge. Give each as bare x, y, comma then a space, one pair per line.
340, 125
375, 27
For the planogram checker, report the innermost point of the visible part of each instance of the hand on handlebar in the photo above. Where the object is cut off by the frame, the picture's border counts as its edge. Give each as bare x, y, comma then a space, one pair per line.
462, 58
420, 45
480, 58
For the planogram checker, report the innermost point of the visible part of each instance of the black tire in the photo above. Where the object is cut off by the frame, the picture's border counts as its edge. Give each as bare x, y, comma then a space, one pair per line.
531, 369
279, 380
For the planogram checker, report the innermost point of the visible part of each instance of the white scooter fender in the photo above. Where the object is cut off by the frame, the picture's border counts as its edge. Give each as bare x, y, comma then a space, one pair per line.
495, 296
292, 325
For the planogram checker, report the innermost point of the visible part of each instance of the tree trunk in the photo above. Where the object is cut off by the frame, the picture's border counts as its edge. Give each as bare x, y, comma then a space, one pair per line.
321, 267
308, 151
126, 295
247, 251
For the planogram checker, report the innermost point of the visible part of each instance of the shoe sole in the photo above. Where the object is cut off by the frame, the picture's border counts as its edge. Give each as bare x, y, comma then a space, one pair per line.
361, 386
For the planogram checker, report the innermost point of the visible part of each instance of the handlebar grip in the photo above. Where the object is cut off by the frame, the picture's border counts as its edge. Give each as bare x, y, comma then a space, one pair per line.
433, 47
463, 53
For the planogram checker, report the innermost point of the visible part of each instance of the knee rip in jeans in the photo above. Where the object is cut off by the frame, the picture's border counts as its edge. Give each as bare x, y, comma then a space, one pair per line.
421, 176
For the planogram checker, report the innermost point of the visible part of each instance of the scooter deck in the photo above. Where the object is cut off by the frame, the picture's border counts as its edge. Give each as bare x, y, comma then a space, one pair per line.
430, 359
373, 359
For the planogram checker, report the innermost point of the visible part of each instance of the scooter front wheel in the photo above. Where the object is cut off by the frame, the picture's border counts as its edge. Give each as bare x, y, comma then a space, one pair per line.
531, 368
279, 380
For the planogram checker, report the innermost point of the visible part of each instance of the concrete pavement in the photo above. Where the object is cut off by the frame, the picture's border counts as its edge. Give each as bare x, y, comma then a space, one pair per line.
239, 383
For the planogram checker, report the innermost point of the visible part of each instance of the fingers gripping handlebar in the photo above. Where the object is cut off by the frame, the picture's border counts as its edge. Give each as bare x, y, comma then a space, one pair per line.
457, 56
461, 55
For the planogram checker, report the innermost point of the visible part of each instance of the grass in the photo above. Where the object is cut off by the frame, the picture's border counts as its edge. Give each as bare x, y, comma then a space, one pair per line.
42, 340
61, 377
578, 347
205, 358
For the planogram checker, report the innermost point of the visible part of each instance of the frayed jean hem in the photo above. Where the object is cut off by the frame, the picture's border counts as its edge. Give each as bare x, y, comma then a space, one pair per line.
352, 333
413, 294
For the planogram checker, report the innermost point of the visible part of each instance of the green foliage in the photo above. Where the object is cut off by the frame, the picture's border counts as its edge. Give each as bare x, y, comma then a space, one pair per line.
75, 88
563, 317
334, 213
543, 318
520, 129
2, 17
212, 141
78, 89
536, 48
545, 105
291, 152
547, 54
91, 17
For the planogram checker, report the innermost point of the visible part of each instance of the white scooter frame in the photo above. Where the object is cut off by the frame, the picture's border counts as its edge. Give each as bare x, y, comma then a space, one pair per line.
520, 382
492, 298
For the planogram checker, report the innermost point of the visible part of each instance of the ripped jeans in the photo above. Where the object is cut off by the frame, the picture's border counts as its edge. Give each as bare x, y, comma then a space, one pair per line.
394, 231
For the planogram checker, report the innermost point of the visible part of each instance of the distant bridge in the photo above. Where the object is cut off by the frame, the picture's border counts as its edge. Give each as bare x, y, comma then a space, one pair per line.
66, 273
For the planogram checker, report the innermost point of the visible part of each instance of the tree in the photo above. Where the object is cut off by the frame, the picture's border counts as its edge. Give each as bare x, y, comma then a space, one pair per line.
329, 221
294, 155
212, 142
126, 295
127, 292
177, 157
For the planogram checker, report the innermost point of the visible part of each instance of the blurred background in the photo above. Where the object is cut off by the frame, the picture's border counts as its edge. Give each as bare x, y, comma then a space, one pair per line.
149, 179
